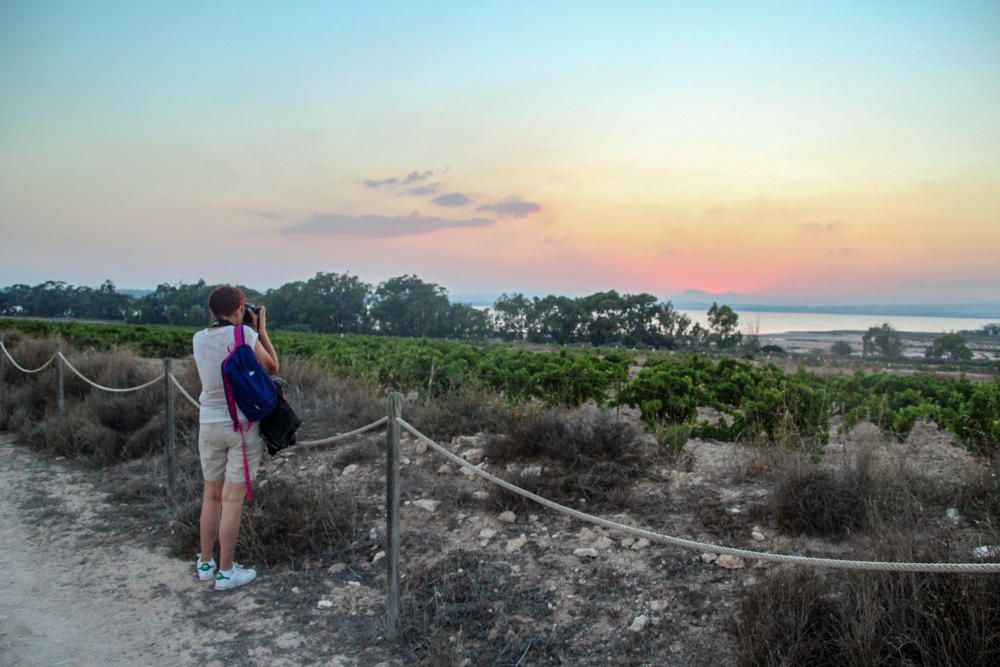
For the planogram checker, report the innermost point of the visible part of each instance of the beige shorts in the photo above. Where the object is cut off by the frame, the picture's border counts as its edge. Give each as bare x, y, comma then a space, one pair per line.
221, 451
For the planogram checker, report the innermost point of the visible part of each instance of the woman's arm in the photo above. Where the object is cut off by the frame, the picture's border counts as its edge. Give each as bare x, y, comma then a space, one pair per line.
264, 350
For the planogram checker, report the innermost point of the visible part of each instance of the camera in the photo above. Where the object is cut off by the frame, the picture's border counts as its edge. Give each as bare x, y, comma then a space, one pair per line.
247, 319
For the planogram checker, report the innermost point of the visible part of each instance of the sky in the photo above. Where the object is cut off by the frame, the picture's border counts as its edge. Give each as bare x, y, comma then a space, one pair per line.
814, 152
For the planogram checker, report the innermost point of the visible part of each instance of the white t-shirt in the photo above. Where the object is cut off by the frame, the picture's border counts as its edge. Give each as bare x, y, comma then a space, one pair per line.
211, 347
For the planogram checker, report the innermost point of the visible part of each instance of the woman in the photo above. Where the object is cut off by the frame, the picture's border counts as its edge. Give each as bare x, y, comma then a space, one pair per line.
219, 445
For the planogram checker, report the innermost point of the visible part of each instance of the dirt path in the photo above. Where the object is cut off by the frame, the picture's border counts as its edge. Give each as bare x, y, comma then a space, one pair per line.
72, 592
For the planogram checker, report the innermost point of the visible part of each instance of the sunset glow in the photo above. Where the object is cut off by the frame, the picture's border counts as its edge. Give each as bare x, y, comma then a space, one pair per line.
824, 154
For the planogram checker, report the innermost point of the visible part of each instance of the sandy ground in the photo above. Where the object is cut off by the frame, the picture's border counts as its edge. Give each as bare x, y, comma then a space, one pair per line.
72, 593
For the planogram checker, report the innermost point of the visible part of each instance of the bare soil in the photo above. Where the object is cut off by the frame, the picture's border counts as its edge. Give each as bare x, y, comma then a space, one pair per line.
83, 581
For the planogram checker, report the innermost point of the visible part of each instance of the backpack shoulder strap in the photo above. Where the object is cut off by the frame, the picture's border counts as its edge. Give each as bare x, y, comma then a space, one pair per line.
238, 333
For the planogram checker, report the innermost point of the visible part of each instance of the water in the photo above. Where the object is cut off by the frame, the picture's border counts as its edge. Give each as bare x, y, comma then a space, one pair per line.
768, 322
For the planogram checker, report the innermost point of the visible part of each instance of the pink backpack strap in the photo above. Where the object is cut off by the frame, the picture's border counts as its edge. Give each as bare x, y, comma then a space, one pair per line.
246, 465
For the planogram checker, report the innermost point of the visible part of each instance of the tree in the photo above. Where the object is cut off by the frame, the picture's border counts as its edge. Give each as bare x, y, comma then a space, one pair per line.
841, 349
407, 306
327, 302
951, 345
510, 316
884, 340
723, 323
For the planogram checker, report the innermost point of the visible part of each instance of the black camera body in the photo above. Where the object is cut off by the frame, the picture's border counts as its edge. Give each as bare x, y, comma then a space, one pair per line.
250, 321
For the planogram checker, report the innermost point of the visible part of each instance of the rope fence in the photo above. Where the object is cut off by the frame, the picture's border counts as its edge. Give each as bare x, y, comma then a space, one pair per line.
702, 546
394, 423
22, 368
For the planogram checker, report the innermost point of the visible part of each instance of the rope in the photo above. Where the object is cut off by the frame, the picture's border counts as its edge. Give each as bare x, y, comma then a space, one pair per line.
305, 444
22, 368
173, 378
123, 390
703, 546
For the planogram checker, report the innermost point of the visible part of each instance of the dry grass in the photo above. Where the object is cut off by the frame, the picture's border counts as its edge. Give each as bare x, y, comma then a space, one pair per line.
800, 617
585, 455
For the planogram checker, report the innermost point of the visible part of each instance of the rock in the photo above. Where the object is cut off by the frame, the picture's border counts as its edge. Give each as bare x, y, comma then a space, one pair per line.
602, 543
586, 552
516, 544
444, 469
467, 472
351, 470
709, 557
985, 551
639, 623
336, 568
487, 533
354, 584
420, 447
533, 518
730, 562
474, 455
324, 604
659, 605
757, 536
953, 517
641, 544
585, 534
481, 495
427, 504
296, 590
377, 557
627, 542
532, 471
507, 517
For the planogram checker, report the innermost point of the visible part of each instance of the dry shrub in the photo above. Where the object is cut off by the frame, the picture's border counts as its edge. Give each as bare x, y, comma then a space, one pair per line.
29, 353
809, 500
77, 436
328, 402
465, 410
287, 521
870, 618
569, 437
979, 500
586, 455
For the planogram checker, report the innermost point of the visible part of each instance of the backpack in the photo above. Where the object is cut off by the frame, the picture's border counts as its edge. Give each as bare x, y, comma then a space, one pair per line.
248, 386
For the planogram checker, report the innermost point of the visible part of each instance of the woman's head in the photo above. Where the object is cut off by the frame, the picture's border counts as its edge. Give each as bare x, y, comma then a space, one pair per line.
225, 300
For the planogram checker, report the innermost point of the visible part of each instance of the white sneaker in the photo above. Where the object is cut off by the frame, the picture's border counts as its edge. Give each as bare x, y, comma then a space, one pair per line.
238, 576
206, 571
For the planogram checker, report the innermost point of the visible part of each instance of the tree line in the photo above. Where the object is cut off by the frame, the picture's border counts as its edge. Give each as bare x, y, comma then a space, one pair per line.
400, 306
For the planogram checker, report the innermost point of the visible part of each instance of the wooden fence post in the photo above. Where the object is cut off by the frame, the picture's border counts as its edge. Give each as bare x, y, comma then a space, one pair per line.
3, 376
171, 437
392, 514
60, 387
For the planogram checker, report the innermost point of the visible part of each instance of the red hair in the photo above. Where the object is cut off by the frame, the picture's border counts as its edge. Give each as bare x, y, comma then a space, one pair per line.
225, 300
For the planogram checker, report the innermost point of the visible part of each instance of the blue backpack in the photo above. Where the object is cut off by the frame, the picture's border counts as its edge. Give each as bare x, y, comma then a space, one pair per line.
247, 384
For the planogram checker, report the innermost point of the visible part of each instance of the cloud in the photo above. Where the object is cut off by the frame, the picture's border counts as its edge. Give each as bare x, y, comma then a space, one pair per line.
421, 190
410, 179
369, 183
452, 199
379, 226
817, 228
417, 176
512, 207
714, 210
552, 241
267, 215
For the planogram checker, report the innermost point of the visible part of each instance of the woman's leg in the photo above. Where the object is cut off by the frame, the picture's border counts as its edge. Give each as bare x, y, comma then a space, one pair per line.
229, 524
211, 510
